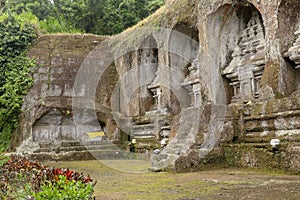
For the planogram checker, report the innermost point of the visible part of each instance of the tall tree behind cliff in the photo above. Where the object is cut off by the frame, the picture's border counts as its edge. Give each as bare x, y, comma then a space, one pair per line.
104, 17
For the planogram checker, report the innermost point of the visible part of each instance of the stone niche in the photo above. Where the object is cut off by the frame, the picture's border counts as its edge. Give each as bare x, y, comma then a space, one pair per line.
292, 58
59, 125
183, 52
147, 67
159, 93
137, 69
248, 60
157, 96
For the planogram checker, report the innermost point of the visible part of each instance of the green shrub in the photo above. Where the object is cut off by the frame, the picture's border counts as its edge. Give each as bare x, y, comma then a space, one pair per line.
63, 189
3, 159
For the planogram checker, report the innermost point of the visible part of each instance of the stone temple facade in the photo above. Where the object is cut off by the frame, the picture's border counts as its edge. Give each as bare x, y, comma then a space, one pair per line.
202, 82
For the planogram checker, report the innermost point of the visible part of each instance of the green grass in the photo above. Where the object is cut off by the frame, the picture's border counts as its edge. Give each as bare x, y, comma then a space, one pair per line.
130, 179
3, 159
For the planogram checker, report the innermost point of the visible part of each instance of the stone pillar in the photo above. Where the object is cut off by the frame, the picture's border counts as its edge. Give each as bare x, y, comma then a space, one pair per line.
157, 95
197, 95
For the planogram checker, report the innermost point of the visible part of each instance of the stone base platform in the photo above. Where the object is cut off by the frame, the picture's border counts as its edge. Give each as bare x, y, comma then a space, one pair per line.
77, 150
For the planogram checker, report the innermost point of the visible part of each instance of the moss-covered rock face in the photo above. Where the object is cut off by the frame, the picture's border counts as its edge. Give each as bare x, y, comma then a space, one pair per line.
263, 121
285, 158
238, 83
254, 156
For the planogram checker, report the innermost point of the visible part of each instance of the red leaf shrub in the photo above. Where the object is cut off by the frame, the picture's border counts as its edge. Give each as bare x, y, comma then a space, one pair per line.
20, 171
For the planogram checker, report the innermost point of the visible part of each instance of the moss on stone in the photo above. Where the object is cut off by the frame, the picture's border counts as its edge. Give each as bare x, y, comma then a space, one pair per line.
271, 76
245, 155
257, 110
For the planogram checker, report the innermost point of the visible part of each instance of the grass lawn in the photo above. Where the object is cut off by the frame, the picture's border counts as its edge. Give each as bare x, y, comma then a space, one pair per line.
130, 179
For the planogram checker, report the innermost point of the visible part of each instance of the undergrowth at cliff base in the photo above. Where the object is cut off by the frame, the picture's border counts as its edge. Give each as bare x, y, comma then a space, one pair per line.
24, 179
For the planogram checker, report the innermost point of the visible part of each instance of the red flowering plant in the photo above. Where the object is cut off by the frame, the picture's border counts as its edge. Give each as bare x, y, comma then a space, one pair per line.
25, 178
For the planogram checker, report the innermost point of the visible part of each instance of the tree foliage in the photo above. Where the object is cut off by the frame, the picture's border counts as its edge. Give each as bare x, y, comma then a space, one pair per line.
103, 17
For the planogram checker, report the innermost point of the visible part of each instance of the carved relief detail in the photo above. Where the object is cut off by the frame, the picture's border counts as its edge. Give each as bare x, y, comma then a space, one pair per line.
246, 68
192, 84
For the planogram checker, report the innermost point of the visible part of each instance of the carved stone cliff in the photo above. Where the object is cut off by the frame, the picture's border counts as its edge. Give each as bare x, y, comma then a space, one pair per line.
212, 85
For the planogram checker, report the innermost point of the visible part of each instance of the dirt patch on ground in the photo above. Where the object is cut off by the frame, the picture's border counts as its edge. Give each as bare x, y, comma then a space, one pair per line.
129, 179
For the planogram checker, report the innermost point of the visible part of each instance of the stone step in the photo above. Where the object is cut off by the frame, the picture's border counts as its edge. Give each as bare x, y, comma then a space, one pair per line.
70, 143
266, 136
75, 143
144, 136
77, 155
78, 148
96, 142
143, 130
147, 140
143, 126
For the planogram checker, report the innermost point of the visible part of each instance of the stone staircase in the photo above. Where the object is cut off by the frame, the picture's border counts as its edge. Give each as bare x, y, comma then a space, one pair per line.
279, 118
146, 129
77, 150
181, 144
199, 132
144, 132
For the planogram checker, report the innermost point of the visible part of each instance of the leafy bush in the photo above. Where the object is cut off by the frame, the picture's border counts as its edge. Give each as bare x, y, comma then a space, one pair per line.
17, 32
21, 179
63, 189
3, 159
